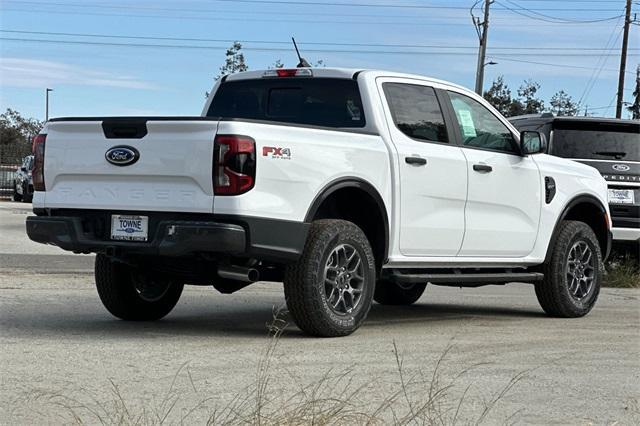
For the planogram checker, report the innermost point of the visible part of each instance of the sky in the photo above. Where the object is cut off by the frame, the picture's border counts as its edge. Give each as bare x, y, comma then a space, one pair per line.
159, 57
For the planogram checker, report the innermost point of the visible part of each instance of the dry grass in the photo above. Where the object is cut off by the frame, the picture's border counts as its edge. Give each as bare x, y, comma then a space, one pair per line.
622, 271
336, 398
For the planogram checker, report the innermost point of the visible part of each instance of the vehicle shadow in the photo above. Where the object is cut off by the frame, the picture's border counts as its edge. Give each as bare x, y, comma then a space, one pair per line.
230, 319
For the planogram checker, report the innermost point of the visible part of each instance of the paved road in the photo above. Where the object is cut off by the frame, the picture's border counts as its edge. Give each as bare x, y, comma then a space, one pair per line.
60, 348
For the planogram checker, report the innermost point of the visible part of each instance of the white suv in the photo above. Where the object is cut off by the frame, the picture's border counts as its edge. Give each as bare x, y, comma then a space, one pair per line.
348, 185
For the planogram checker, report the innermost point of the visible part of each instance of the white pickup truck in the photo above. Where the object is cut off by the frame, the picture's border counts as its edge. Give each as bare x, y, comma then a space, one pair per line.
347, 185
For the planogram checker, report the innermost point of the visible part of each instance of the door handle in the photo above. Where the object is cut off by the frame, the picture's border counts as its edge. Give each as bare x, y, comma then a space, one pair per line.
485, 168
418, 161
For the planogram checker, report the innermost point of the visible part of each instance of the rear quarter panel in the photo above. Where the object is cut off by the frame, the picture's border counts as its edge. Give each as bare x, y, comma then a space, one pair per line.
287, 185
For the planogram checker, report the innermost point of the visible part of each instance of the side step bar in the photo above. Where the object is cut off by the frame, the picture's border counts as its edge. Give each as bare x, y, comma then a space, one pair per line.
463, 279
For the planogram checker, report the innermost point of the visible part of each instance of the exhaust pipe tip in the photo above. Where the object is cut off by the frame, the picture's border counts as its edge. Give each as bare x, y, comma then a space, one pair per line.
238, 273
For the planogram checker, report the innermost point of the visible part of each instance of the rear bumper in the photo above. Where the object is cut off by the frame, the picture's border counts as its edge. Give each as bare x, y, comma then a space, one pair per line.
626, 234
220, 236
172, 238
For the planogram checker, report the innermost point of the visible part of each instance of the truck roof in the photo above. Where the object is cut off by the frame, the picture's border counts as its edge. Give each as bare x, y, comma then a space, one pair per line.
548, 117
345, 73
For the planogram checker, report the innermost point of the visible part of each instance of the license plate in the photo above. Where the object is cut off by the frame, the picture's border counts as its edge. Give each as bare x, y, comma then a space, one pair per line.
621, 196
129, 228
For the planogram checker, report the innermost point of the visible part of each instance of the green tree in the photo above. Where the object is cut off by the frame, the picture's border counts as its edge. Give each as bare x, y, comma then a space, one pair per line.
16, 129
634, 108
234, 61
562, 104
527, 97
499, 95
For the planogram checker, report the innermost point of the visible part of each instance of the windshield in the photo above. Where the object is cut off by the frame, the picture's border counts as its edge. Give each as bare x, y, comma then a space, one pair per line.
596, 141
327, 102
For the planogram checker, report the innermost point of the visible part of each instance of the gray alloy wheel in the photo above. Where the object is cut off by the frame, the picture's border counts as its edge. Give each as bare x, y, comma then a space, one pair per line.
580, 270
343, 279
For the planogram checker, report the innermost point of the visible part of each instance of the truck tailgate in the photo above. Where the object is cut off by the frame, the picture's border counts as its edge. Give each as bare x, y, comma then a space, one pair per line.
172, 172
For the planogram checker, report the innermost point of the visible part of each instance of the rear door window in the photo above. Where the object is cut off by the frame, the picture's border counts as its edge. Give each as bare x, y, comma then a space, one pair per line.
416, 112
326, 102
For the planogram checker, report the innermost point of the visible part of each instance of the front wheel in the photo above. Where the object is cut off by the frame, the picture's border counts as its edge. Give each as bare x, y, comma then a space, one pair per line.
573, 274
133, 294
329, 290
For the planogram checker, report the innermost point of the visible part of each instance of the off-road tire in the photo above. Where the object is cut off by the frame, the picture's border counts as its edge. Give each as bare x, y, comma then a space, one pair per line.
117, 291
16, 196
304, 282
390, 293
553, 291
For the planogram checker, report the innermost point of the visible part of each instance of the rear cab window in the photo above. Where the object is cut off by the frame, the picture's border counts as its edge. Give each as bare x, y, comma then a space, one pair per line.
324, 102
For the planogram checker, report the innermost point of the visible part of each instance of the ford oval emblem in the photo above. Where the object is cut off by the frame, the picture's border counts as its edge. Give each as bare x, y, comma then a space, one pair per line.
621, 167
122, 155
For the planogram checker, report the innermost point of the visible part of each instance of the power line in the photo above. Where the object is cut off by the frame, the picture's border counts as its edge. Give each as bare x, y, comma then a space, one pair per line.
242, 19
546, 18
270, 20
336, 4
404, 6
510, 59
280, 49
602, 61
572, 1
217, 11
221, 11
309, 43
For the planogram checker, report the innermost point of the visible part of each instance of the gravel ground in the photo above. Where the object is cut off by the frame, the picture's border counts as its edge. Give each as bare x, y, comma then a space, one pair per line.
63, 353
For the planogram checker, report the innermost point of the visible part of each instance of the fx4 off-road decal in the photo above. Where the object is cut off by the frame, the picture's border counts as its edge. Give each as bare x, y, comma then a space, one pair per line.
276, 152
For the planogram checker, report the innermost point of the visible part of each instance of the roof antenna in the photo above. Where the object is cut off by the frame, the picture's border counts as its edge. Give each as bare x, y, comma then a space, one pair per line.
303, 62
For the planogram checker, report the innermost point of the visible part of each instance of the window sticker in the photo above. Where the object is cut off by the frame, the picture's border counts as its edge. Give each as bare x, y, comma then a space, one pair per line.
466, 121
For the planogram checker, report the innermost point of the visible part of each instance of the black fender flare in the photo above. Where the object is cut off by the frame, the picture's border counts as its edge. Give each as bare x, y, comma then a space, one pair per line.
584, 198
352, 182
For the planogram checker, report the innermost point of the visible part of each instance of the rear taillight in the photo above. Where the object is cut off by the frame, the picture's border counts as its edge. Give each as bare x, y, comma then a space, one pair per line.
234, 164
38, 164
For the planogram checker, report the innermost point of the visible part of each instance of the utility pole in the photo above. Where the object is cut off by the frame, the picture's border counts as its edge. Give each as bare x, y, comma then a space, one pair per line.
46, 111
482, 28
623, 59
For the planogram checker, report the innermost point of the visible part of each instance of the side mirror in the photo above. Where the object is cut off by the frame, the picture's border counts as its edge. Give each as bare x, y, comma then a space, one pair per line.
532, 142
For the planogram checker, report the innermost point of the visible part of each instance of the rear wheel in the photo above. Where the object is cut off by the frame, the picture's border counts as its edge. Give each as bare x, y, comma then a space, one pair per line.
392, 293
133, 294
330, 289
573, 274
